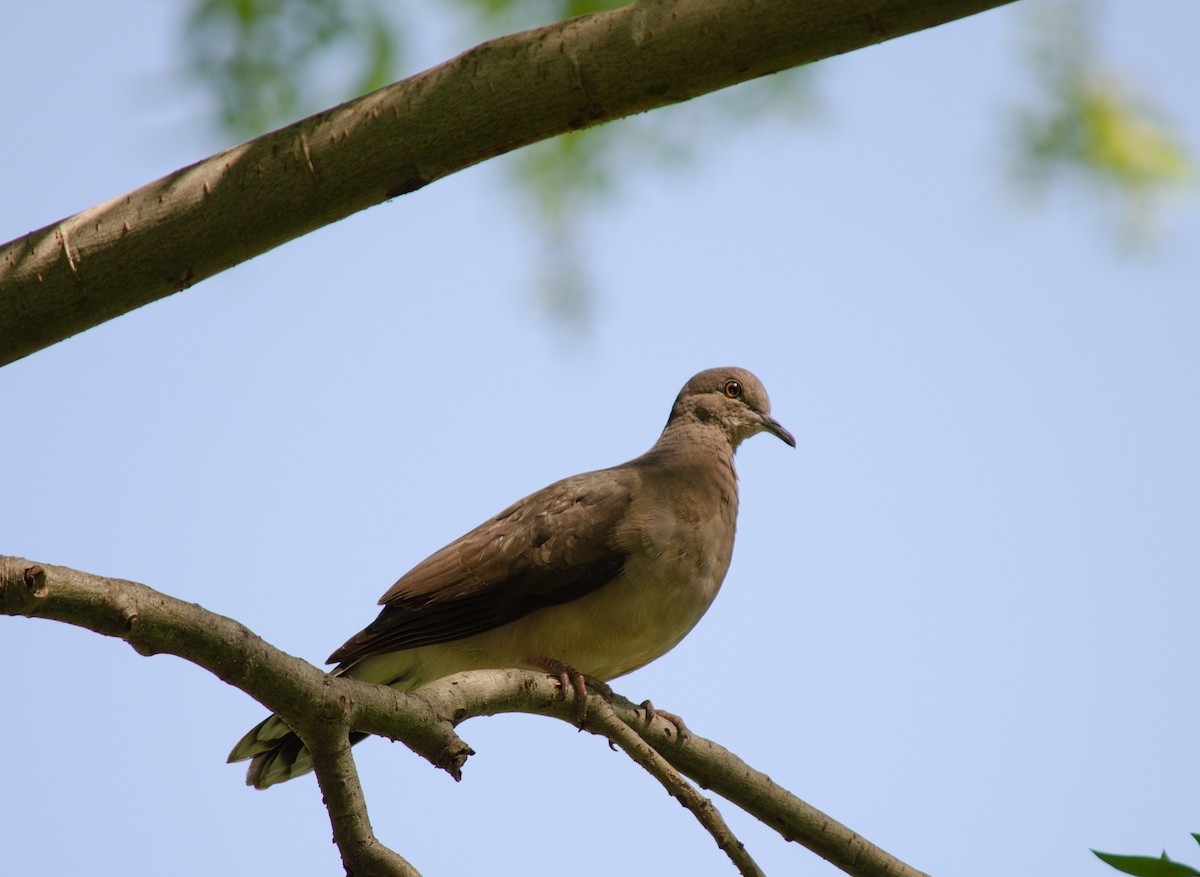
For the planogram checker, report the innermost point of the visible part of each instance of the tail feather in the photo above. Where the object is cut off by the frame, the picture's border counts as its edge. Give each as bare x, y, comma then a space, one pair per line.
275, 752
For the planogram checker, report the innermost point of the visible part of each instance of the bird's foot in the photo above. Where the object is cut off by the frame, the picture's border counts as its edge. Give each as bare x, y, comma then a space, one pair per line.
681, 729
571, 679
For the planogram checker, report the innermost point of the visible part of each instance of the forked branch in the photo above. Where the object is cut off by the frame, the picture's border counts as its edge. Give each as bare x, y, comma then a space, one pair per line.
323, 709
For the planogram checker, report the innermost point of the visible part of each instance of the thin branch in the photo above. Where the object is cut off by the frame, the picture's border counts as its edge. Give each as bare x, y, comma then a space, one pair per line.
619, 731
716, 768
362, 853
497, 97
457, 698
322, 709
487, 692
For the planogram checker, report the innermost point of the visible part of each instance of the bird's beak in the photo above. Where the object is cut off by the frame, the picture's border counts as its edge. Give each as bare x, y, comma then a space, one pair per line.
775, 428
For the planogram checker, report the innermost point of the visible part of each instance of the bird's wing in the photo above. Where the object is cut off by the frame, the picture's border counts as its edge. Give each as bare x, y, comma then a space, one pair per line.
551, 547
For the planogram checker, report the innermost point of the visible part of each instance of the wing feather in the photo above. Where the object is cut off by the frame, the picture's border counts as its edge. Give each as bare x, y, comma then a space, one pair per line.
550, 547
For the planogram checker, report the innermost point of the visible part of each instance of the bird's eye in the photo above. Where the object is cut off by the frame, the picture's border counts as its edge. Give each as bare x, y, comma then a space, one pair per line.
733, 389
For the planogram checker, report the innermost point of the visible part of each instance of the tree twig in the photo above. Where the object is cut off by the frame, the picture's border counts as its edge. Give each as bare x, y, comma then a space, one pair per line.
619, 731
719, 770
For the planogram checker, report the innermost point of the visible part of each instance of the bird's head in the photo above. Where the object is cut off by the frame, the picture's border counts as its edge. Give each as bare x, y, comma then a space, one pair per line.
732, 399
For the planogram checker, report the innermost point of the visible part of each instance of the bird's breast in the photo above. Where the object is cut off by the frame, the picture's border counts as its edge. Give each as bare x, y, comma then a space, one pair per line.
677, 542
676, 557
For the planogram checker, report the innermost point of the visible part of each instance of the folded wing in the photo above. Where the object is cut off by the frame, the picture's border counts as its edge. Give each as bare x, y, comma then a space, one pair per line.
550, 547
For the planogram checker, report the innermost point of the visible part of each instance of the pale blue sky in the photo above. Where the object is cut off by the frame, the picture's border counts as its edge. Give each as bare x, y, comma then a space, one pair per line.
961, 616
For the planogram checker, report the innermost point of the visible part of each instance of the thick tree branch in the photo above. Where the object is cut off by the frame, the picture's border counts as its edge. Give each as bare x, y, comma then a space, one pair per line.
322, 710
497, 97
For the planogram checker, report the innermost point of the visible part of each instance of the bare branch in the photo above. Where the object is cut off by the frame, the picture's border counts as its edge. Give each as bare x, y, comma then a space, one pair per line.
716, 768
362, 853
497, 97
617, 730
323, 709
313, 703
713, 767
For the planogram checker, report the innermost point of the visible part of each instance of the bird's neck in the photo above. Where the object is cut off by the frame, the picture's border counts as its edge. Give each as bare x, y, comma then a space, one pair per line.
687, 443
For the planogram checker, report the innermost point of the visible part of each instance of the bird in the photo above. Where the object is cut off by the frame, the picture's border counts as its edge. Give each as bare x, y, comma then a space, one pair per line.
587, 579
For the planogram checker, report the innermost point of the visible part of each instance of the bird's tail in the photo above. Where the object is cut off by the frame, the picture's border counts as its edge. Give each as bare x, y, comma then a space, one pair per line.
276, 753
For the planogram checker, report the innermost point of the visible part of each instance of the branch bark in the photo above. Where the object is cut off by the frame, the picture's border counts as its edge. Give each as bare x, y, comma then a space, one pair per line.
504, 94
323, 709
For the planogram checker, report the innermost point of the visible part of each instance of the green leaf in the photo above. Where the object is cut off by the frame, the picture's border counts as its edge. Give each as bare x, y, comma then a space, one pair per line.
1147, 866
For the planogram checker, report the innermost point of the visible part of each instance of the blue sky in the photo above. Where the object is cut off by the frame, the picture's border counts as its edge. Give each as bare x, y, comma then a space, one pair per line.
961, 616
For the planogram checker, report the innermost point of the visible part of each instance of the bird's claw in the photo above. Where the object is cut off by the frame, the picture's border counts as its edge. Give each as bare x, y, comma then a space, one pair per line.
571, 679
681, 730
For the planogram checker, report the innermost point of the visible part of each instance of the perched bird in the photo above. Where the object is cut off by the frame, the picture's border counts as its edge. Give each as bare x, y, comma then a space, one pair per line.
587, 579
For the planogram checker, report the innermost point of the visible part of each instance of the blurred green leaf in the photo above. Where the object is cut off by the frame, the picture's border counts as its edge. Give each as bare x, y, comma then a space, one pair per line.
1090, 124
565, 178
270, 61
528, 13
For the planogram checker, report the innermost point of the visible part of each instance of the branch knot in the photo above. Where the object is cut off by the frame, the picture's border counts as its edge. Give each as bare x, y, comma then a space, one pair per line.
20, 585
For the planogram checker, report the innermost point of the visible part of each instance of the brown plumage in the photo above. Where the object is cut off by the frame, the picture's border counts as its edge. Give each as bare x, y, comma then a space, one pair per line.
601, 573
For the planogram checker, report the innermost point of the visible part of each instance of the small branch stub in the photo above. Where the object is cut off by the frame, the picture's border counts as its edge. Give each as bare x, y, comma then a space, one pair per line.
20, 584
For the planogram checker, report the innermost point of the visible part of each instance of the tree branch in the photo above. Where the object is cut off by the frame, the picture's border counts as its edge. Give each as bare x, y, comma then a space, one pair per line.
618, 731
716, 768
362, 853
323, 709
497, 97
712, 766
